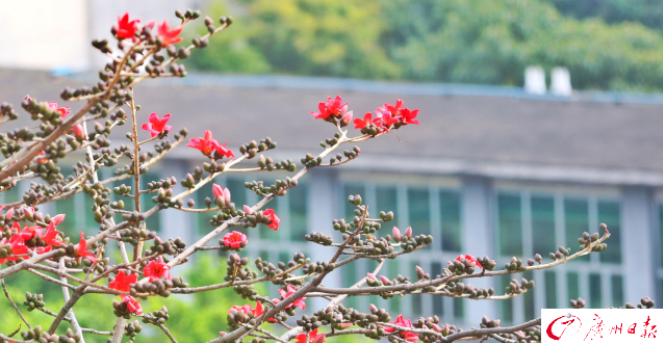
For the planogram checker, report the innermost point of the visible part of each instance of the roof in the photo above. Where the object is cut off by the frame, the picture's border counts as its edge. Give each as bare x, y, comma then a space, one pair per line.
585, 138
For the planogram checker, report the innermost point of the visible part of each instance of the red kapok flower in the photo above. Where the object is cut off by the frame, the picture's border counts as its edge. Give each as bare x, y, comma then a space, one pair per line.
167, 35
274, 225
208, 145
246, 309
156, 125
132, 304
235, 240
408, 116
313, 337
409, 336
259, 310
82, 250
156, 269
57, 220
29, 231
219, 191
51, 235
333, 108
125, 28
18, 247
367, 121
393, 109
469, 258
10, 213
64, 110
290, 289
123, 282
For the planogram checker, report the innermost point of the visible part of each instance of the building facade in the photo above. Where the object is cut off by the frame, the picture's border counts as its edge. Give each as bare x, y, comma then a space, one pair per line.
491, 171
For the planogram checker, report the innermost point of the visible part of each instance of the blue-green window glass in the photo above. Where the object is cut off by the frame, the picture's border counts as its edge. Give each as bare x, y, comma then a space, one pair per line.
349, 279
609, 214
351, 190
239, 198
459, 308
450, 220
617, 290
550, 278
438, 308
203, 219
153, 222
68, 207
416, 300
543, 224
573, 285
595, 291
298, 201
391, 267
660, 222
506, 305
576, 216
12, 195
419, 211
510, 224
387, 200
529, 299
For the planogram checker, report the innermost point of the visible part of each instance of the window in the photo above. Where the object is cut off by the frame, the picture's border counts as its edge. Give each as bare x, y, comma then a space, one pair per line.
537, 222
428, 209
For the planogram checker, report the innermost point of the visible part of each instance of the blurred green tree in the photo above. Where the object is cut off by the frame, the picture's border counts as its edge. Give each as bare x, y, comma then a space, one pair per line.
646, 12
466, 41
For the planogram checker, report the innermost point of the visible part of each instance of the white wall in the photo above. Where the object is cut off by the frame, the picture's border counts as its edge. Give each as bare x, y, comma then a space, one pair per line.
43, 34
47, 34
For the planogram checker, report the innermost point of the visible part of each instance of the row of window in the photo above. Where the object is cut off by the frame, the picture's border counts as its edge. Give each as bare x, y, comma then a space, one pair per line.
526, 223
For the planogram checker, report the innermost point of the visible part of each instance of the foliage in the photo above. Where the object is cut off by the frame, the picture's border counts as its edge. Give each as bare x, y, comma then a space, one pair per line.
458, 41
646, 12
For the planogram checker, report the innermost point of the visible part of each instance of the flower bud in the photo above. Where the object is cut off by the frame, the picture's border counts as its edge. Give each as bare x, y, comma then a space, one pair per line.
396, 233
408, 232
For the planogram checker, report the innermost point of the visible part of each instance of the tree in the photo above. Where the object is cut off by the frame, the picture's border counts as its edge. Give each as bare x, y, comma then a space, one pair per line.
31, 242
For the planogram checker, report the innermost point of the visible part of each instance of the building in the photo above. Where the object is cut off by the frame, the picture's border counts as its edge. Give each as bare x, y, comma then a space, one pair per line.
491, 171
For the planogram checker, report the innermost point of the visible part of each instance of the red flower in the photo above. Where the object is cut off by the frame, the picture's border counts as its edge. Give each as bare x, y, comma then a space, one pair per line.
18, 247
41, 160
333, 108
408, 116
290, 289
367, 121
51, 235
57, 220
53, 106
469, 258
156, 125
313, 337
393, 109
82, 250
167, 35
408, 336
156, 269
246, 309
388, 120
126, 29
275, 220
259, 310
219, 191
132, 304
207, 145
29, 231
122, 282
235, 240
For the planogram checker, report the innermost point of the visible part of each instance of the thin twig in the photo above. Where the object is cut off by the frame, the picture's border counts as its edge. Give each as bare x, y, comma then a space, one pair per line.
4, 288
